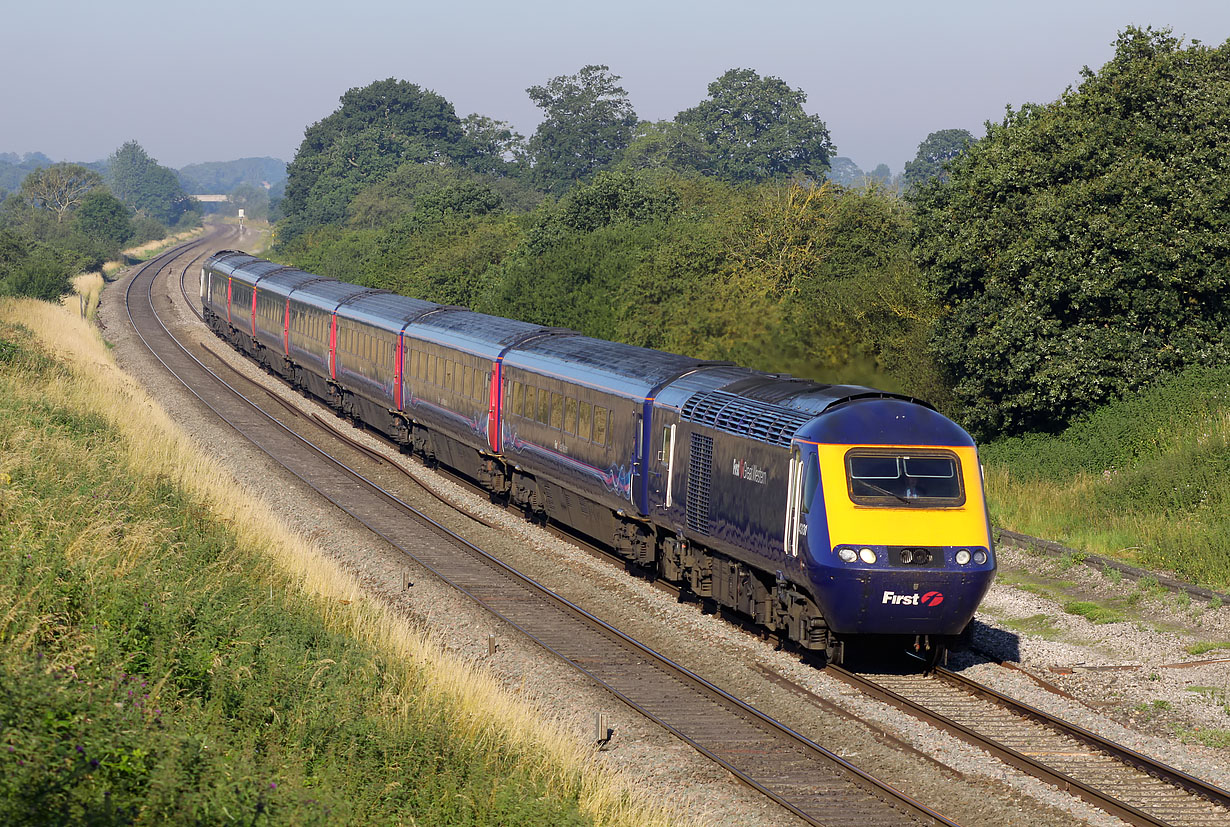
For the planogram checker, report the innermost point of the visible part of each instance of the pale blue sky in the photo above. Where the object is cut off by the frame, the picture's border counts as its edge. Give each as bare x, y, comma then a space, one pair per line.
226, 79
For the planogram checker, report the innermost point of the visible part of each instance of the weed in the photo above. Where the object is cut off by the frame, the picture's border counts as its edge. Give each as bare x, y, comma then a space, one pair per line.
1207, 646
1093, 612
1113, 575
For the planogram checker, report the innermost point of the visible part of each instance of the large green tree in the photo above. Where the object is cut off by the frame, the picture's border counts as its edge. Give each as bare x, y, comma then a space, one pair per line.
934, 152
59, 188
756, 129
1082, 248
588, 122
376, 129
103, 218
140, 182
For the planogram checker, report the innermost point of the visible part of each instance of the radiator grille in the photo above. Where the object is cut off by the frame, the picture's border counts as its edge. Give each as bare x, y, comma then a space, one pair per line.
700, 478
746, 417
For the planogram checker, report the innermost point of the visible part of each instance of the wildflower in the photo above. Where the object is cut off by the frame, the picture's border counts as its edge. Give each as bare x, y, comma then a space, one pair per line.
273, 785
80, 749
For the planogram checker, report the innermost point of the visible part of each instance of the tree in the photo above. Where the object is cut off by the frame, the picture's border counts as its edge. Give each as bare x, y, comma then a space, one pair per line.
589, 122
756, 129
1080, 249
494, 146
667, 145
59, 188
376, 129
141, 183
102, 217
934, 152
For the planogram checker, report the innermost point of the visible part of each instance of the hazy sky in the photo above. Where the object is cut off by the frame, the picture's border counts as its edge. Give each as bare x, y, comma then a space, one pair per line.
227, 79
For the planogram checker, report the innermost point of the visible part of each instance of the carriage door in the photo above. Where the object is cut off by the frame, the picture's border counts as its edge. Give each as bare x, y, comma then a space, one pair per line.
794, 498
663, 476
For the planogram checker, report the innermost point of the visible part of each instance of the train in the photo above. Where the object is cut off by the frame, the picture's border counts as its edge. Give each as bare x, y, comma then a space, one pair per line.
827, 515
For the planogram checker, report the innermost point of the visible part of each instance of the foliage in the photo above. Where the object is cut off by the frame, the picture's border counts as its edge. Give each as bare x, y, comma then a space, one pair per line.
933, 153
102, 217
14, 168
756, 129
34, 269
141, 183
588, 121
1146, 477
495, 148
59, 188
377, 129
225, 176
155, 670
1081, 248
667, 145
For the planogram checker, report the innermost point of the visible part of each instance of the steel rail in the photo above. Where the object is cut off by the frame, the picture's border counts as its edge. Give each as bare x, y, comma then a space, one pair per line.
1138, 812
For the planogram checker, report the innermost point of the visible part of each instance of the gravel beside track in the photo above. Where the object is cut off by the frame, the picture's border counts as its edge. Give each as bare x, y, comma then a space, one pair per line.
989, 792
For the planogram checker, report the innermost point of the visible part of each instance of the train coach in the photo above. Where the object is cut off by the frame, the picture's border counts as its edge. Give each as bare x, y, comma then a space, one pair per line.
824, 513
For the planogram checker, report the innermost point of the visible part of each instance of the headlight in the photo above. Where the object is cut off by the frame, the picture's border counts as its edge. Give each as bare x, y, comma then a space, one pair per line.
847, 555
907, 556
980, 557
962, 556
867, 555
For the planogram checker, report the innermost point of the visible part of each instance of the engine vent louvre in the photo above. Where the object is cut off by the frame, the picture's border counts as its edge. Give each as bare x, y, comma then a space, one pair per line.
736, 415
700, 479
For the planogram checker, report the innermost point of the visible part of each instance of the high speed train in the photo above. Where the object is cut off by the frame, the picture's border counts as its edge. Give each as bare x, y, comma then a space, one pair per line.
824, 513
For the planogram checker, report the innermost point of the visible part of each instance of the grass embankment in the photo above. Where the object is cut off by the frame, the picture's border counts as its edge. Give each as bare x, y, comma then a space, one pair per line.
169, 654
1145, 479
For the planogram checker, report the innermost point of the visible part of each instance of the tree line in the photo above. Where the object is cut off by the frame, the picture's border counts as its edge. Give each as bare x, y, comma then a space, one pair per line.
66, 218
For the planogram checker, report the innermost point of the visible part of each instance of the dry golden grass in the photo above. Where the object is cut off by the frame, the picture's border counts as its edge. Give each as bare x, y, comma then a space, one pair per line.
151, 248
158, 448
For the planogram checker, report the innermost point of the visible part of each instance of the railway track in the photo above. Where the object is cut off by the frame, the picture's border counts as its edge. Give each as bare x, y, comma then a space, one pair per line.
1123, 782
1129, 785
805, 779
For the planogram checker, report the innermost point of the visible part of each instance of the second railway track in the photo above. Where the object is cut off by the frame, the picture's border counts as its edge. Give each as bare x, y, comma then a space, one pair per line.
1123, 782
807, 780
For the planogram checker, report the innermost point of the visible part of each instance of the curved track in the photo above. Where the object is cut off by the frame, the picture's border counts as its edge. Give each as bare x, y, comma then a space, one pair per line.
804, 778
1123, 782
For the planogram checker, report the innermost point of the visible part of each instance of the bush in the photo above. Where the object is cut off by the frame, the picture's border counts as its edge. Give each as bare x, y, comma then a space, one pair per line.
1080, 249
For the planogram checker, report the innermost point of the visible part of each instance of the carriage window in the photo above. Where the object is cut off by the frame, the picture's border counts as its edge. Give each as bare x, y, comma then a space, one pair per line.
894, 478
467, 381
570, 416
557, 411
584, 414
544, 406
599, 425
516, 398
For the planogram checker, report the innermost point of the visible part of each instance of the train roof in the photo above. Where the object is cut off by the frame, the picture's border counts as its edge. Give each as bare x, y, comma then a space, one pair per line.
285, 281
327, 294
387, 311
471, 332
623, 369
227, 261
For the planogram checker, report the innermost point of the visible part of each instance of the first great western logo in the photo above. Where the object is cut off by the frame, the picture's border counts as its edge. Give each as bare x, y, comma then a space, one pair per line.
926, 599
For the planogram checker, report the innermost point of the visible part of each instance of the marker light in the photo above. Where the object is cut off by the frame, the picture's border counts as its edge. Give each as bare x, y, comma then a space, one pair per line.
962, 556
867, 555
847, 555
980, 557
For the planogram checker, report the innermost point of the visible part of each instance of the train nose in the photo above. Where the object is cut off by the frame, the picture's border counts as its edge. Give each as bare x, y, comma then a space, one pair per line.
928, 602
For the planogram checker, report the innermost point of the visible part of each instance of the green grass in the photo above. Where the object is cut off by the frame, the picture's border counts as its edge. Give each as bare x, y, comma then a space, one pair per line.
1207, 646
1144, 479
1093, 612
152, 669
1040, 625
